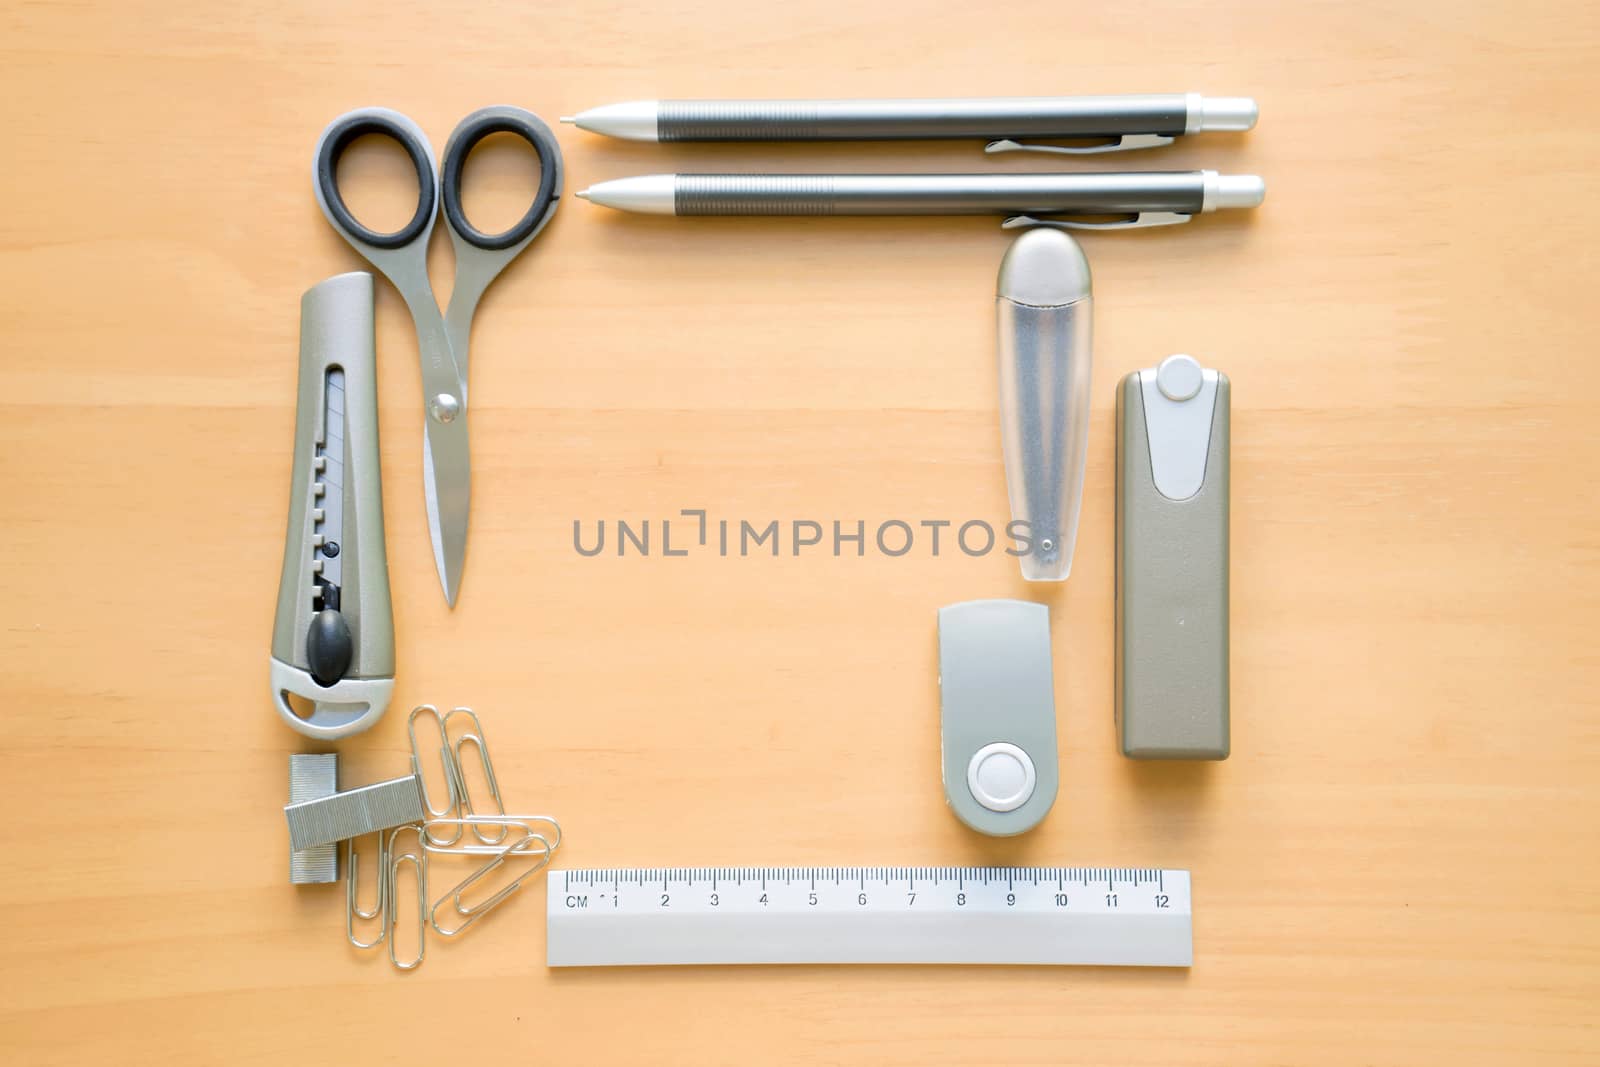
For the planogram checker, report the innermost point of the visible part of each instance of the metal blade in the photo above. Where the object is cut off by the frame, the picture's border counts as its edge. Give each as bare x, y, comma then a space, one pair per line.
447, 488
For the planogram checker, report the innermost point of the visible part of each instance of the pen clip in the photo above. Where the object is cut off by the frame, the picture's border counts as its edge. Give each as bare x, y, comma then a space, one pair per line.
1139, 221
1128, 142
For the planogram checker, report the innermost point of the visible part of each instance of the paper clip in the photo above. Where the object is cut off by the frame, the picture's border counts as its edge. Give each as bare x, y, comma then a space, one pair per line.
505, 822
353, 908
452, 781
532, 843
419, 862
500, 837
464, 799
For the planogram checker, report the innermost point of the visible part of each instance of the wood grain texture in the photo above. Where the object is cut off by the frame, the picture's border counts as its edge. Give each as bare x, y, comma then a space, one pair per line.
1409, 324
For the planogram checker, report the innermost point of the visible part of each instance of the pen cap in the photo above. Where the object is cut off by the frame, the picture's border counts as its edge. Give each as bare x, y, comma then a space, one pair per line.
1044, 312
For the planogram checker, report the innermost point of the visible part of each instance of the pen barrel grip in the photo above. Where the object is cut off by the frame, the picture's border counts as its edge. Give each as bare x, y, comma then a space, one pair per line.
854, 120
754, 194
937, 194
738, 120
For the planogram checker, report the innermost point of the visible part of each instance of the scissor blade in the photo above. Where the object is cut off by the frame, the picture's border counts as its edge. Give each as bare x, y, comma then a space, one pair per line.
447, 487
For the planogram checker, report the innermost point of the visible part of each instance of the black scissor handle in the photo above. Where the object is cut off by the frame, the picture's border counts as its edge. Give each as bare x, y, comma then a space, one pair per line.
473, 129
338, 137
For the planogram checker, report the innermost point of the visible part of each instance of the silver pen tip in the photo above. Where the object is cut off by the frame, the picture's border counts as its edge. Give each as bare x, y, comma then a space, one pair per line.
582, 194
569, 119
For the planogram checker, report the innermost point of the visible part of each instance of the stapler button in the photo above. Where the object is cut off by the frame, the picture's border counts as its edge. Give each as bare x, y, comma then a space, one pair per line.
1179, 378
1001, 776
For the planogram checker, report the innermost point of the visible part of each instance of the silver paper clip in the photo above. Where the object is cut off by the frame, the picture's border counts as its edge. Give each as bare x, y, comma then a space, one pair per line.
506, 823
440, 829
464, 801
532, 844
419, 862
458, 795
354, 912
452, 788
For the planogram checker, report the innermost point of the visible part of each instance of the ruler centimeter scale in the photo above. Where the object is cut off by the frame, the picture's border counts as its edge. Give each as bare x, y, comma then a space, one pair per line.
1135, 917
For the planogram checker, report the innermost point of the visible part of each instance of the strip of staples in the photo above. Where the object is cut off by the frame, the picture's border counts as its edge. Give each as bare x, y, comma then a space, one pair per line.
379, 806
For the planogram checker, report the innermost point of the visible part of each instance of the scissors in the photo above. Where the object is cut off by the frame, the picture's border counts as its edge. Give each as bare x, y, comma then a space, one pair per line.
402, 257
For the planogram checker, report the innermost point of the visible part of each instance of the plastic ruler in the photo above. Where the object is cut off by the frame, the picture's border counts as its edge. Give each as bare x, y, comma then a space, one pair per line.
1136, 917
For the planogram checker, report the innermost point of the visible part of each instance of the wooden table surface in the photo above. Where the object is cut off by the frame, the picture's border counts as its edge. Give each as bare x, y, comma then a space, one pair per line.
1398, 864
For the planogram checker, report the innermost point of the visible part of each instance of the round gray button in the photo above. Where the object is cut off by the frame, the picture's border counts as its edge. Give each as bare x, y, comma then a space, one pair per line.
1179, 377
1001, 776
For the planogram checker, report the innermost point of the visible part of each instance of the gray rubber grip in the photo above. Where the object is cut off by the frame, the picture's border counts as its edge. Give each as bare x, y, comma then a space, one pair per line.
736, 120
1080, 193
757, 194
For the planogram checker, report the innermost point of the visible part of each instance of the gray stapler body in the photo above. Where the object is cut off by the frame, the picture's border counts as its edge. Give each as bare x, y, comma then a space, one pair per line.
1172, 563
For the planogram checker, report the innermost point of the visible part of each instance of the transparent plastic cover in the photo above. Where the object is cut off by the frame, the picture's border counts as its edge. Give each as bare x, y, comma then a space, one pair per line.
1045, 360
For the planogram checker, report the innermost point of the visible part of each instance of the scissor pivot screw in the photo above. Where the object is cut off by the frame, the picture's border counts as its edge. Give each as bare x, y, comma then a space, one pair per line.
446, 407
